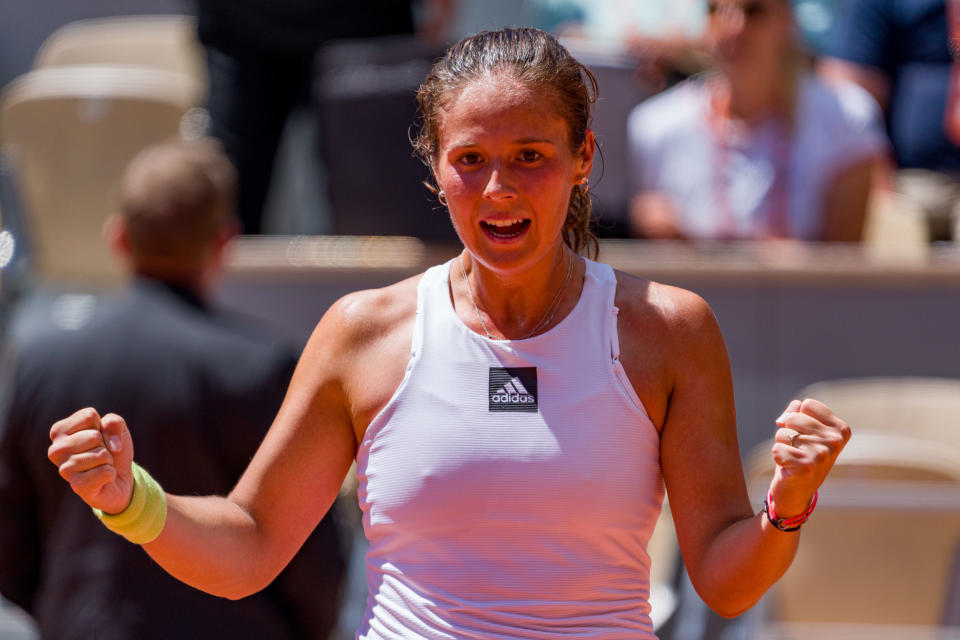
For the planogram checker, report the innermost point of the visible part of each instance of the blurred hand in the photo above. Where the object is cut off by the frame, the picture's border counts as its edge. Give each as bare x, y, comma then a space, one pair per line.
94, 456
807, 444
653, 215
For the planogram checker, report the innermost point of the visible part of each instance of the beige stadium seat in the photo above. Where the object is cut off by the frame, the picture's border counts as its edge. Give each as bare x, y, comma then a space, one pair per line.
166, 42
895, 224
875, 561
879, 557
68, 133
877, 457
910, 406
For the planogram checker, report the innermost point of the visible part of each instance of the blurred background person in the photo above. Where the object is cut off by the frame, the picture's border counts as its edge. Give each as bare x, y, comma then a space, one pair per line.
204, 386
758, 149
904, 52
664, 38
261, 65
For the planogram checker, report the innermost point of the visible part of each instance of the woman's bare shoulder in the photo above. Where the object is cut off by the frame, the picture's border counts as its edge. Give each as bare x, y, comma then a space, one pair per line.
652, 305
663, 330
370, 314
360, 348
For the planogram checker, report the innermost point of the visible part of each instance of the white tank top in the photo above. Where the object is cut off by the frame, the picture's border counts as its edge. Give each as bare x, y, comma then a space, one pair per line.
509, 487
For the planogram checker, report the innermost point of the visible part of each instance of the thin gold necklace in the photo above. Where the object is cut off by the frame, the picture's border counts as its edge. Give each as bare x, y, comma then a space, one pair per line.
547, 315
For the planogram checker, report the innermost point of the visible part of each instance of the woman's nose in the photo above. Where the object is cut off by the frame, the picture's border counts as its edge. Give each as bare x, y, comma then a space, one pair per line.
498, 186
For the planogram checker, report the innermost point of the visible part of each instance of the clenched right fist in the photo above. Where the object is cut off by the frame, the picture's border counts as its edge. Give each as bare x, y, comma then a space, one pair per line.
94, 455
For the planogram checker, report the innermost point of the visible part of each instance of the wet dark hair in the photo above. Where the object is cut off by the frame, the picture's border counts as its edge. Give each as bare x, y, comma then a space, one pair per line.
535, 59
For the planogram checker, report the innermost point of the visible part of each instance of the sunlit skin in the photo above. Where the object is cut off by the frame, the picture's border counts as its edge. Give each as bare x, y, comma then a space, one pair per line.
506, 166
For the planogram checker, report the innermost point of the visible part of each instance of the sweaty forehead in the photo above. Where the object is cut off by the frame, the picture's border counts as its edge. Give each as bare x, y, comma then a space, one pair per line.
499, 102
507, 88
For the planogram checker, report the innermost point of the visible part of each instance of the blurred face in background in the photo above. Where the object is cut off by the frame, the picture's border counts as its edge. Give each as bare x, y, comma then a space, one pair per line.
749, 37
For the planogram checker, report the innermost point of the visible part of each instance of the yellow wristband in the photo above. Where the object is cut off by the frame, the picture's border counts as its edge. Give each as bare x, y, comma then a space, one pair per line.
143, 519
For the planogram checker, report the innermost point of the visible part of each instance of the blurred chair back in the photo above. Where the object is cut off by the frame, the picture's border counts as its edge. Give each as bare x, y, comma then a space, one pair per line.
875, 560
895, 223
69, 133
910, 406
878, 557
161, 41
875, 457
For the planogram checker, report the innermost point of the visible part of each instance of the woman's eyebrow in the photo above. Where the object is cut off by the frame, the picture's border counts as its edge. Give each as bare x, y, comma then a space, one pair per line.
470, 143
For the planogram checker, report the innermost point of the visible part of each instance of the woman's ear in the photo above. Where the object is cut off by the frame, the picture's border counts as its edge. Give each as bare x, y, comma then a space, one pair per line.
586, 153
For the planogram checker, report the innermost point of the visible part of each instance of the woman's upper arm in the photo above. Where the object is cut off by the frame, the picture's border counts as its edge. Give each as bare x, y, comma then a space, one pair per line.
699, 451
298, 469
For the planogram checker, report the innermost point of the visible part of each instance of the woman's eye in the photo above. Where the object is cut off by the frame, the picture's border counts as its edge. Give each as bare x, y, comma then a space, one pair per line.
470, 158
530, 155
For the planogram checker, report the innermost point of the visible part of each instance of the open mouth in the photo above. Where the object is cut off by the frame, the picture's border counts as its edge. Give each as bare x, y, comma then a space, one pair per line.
505, 229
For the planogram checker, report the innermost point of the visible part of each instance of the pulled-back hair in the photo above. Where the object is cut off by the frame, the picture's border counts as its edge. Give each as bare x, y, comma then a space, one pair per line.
535, 59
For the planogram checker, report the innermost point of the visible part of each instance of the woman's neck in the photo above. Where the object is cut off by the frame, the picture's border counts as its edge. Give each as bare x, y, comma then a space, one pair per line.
517, 308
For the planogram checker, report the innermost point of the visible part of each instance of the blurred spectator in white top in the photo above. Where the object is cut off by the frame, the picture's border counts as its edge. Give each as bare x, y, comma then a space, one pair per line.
759, 148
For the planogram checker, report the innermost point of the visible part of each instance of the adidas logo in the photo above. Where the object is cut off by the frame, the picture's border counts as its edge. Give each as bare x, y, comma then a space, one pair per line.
513, 389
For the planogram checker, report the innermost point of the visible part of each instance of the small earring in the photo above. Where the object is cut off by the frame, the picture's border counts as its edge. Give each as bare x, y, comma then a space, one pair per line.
442, 197
585, 183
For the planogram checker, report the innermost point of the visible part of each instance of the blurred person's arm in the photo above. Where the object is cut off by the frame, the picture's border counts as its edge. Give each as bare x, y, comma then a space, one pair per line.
20, 536
860, 163
234, 546
654, 215
845, 210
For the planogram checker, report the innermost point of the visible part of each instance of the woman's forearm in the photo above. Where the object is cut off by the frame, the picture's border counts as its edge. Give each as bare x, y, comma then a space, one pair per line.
213, 544
742, 562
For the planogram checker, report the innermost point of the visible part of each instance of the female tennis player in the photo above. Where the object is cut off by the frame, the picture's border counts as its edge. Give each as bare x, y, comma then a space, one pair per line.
515, 414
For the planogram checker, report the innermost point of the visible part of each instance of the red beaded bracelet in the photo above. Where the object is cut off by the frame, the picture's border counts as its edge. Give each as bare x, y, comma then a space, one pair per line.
787, 524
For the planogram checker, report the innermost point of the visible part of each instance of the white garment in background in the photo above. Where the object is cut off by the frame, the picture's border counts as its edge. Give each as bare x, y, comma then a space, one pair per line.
509, 487
723, 185
622, 19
